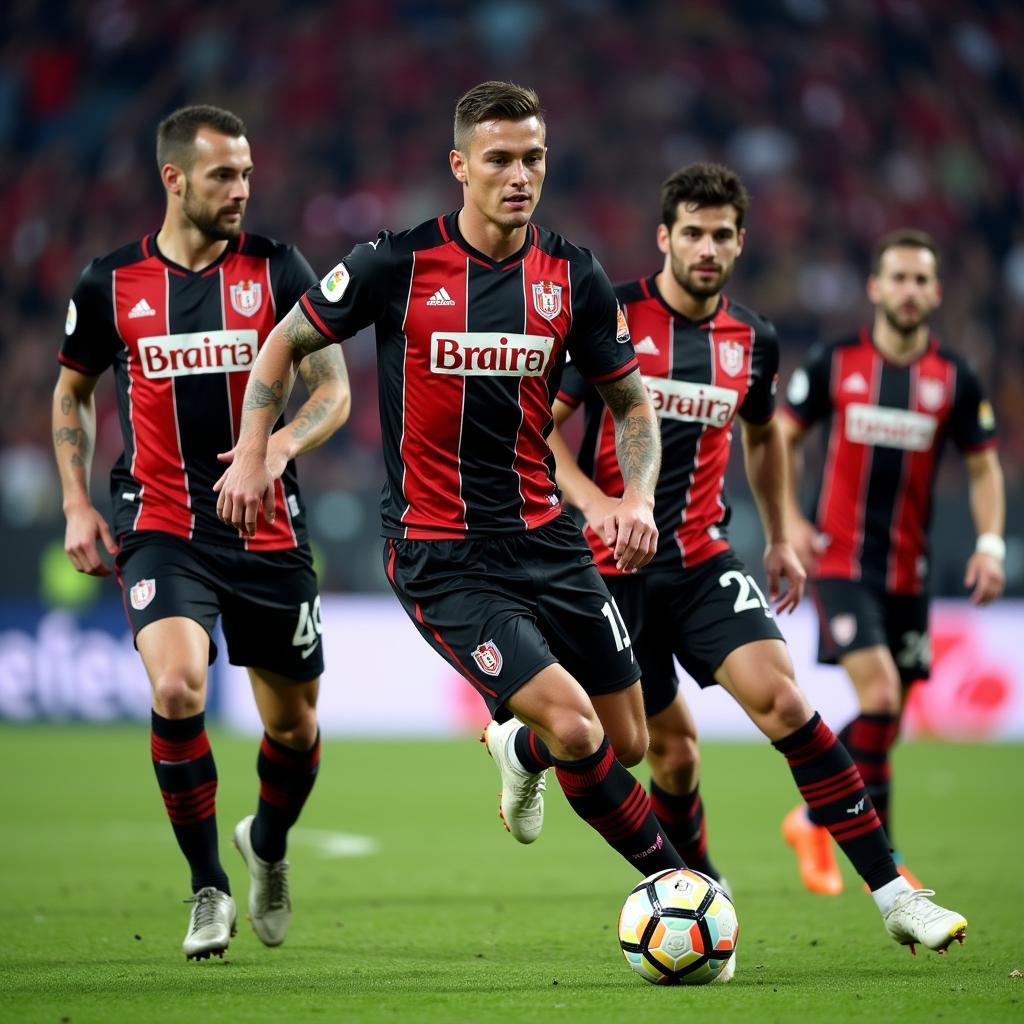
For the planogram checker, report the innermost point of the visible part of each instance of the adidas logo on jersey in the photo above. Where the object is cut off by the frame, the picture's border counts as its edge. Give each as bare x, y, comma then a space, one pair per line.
856, 384
646, 346
141, 308
441, 298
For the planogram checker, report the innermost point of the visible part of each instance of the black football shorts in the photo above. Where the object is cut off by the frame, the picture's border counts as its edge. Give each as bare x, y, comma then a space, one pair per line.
853, 616
699, 615
268, 601
500, 609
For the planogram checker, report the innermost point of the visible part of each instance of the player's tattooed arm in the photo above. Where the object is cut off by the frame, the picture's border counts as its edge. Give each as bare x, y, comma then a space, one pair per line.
637, 437
74, 433
327, 407
300, 334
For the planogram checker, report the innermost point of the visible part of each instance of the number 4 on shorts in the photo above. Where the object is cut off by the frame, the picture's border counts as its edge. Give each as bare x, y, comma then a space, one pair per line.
309, 628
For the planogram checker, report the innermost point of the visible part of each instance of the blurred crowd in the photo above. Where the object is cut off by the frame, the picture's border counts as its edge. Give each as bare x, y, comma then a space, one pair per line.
845, 117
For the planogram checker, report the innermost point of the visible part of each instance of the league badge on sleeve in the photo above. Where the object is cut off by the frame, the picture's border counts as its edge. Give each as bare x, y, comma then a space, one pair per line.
547, 299
799, 387
986, 415
246, 297
71, 320
621, 327
334, 284
142, 593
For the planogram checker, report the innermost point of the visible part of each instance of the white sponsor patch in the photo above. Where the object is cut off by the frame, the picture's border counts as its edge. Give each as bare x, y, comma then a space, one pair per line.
799, 387
334, 284
489, 355
691, 403
71, 320
178, 355
890, 428
142, 593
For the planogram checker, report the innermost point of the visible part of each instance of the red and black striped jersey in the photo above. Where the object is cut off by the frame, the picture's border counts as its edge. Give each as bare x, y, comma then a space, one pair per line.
182, 344
469, 354
699, 374
885, 426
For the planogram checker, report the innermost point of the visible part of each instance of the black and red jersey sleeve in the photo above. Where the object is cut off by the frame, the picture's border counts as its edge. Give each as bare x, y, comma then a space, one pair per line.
808, 396
598, 341
355, 293
90, 335
972, 422
759, 404
292, 277
573, 389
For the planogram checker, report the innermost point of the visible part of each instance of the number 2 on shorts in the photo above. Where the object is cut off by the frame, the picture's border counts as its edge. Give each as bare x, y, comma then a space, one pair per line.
744, 602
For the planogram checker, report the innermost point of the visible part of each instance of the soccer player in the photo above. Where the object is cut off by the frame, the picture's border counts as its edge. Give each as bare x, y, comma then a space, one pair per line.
706, 360
888, 398
180, 316
475, 312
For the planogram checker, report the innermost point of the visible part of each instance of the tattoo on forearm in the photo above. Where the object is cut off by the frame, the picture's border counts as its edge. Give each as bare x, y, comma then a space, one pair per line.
323, 366
69, 435
637, 441
638, 448
300, 335
77, 460
310, 416
65, 404
259, 395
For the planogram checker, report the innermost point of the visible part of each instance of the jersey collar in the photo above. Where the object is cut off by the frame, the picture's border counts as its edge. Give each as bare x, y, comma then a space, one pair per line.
449, 224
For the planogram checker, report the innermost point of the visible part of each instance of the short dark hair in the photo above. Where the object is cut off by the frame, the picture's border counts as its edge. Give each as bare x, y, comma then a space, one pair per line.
503, 101
177, 132
903, 238
700, 185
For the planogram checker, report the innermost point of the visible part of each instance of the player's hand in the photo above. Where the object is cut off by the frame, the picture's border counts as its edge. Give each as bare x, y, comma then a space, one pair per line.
629, 530
85, 527
276, 461
246, 487
781, 563
984, 577
808, 544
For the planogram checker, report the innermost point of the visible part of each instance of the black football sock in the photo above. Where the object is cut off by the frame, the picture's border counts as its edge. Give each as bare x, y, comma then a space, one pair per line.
869, 739
187, 776
286, 779
531, 750
607, 797
682, 818
830, 783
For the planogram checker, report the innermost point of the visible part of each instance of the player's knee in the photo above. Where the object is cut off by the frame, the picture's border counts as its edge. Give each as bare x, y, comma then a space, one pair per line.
576, 734
789, 709
881, 694
675, 756
176, 696
630, 749
298, 730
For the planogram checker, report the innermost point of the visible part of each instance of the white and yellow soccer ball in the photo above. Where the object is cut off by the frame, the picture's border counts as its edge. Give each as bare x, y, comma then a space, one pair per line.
677, 927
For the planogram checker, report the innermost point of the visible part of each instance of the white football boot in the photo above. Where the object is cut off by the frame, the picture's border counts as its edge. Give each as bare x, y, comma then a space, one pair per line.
210, 925
913, 919
522, 793
270, 907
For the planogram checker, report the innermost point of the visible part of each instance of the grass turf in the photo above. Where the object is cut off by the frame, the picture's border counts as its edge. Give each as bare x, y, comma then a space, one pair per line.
451, 920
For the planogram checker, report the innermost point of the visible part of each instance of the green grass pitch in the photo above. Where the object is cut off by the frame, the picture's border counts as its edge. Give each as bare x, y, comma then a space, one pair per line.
448, 919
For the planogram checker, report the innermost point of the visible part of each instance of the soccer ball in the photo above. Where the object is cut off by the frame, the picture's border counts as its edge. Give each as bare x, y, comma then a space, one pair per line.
677, 927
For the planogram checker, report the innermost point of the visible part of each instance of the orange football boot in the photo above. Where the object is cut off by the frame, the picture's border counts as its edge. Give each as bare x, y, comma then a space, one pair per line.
814, 855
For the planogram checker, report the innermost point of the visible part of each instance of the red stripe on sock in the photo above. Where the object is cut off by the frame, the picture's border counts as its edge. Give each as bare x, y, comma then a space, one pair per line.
577, 783
858, 826
179, 751
822, 739
288, 756
191, 806
625, 819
